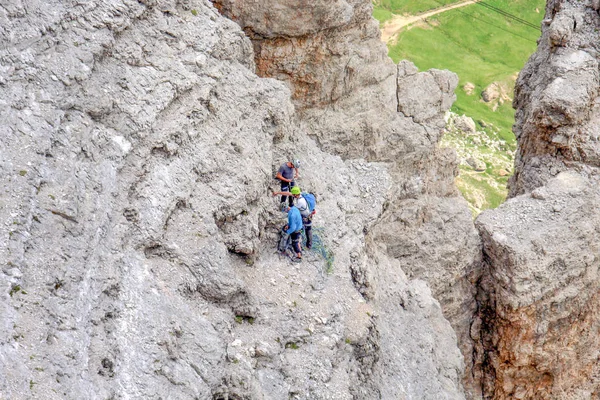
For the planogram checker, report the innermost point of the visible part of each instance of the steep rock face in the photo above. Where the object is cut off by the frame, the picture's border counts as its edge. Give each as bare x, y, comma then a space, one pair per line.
407, 309
352, 98
430, 238
556, 98
543, 258
122, 127
137, 246
323, 50
357, 104
539, 294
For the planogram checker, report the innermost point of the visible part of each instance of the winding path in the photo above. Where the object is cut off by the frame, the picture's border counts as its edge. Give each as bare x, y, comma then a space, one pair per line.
391, 27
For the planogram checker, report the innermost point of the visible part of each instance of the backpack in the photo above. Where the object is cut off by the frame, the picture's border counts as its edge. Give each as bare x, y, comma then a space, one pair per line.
311, 200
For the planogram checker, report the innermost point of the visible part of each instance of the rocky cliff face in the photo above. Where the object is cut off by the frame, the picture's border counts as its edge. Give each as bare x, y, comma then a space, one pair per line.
542, 253
539, 291
138, 229
359, 105
556, 98
138, 149
324, 50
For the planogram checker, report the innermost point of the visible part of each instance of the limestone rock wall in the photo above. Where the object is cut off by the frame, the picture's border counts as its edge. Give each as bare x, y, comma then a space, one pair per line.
323, 50
352, 99
356, 103
138, 228
538, 295
543, 258
123, 130
556, 98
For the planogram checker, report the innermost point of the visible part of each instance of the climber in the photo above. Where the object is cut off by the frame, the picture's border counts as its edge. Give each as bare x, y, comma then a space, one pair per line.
286, 174
293, 229
305, 203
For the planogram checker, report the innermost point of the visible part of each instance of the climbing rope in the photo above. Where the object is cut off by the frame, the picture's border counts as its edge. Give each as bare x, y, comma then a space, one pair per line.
318, 247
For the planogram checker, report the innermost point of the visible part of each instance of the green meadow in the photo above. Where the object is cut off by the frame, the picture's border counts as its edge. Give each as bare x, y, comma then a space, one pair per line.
385, 9
482, 47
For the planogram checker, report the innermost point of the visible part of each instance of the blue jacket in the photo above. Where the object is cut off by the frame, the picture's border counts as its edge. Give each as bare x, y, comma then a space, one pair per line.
294, 220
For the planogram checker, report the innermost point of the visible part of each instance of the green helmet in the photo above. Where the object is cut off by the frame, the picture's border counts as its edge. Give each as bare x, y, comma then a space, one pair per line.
296, 163
295, 190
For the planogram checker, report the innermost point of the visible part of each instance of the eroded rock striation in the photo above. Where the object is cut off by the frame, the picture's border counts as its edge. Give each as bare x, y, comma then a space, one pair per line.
539, 289
556, 98
542, 253
138, 233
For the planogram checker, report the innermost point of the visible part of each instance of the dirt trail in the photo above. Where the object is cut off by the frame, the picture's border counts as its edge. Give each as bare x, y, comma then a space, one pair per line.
391, 27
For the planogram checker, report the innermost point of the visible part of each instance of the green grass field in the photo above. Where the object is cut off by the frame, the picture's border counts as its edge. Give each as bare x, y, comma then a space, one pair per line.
411, 7
481, 46
382, 15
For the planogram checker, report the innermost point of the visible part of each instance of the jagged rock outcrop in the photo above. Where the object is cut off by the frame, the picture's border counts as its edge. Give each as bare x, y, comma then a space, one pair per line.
556, 98
137, 247
407, 309
542, 286
323, 50
538, 294
120, 136
352, 98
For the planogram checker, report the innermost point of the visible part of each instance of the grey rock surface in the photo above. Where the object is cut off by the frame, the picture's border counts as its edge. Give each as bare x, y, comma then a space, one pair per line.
465, 124
542, 283
138, 228
556, 98
287, 17
538, 292
119, 172
478, 165
427, 95
357, 104
409, 309
431, 240
324, 50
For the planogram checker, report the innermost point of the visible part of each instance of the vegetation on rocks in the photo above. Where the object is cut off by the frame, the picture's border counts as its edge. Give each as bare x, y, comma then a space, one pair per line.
485, 163
487, 50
